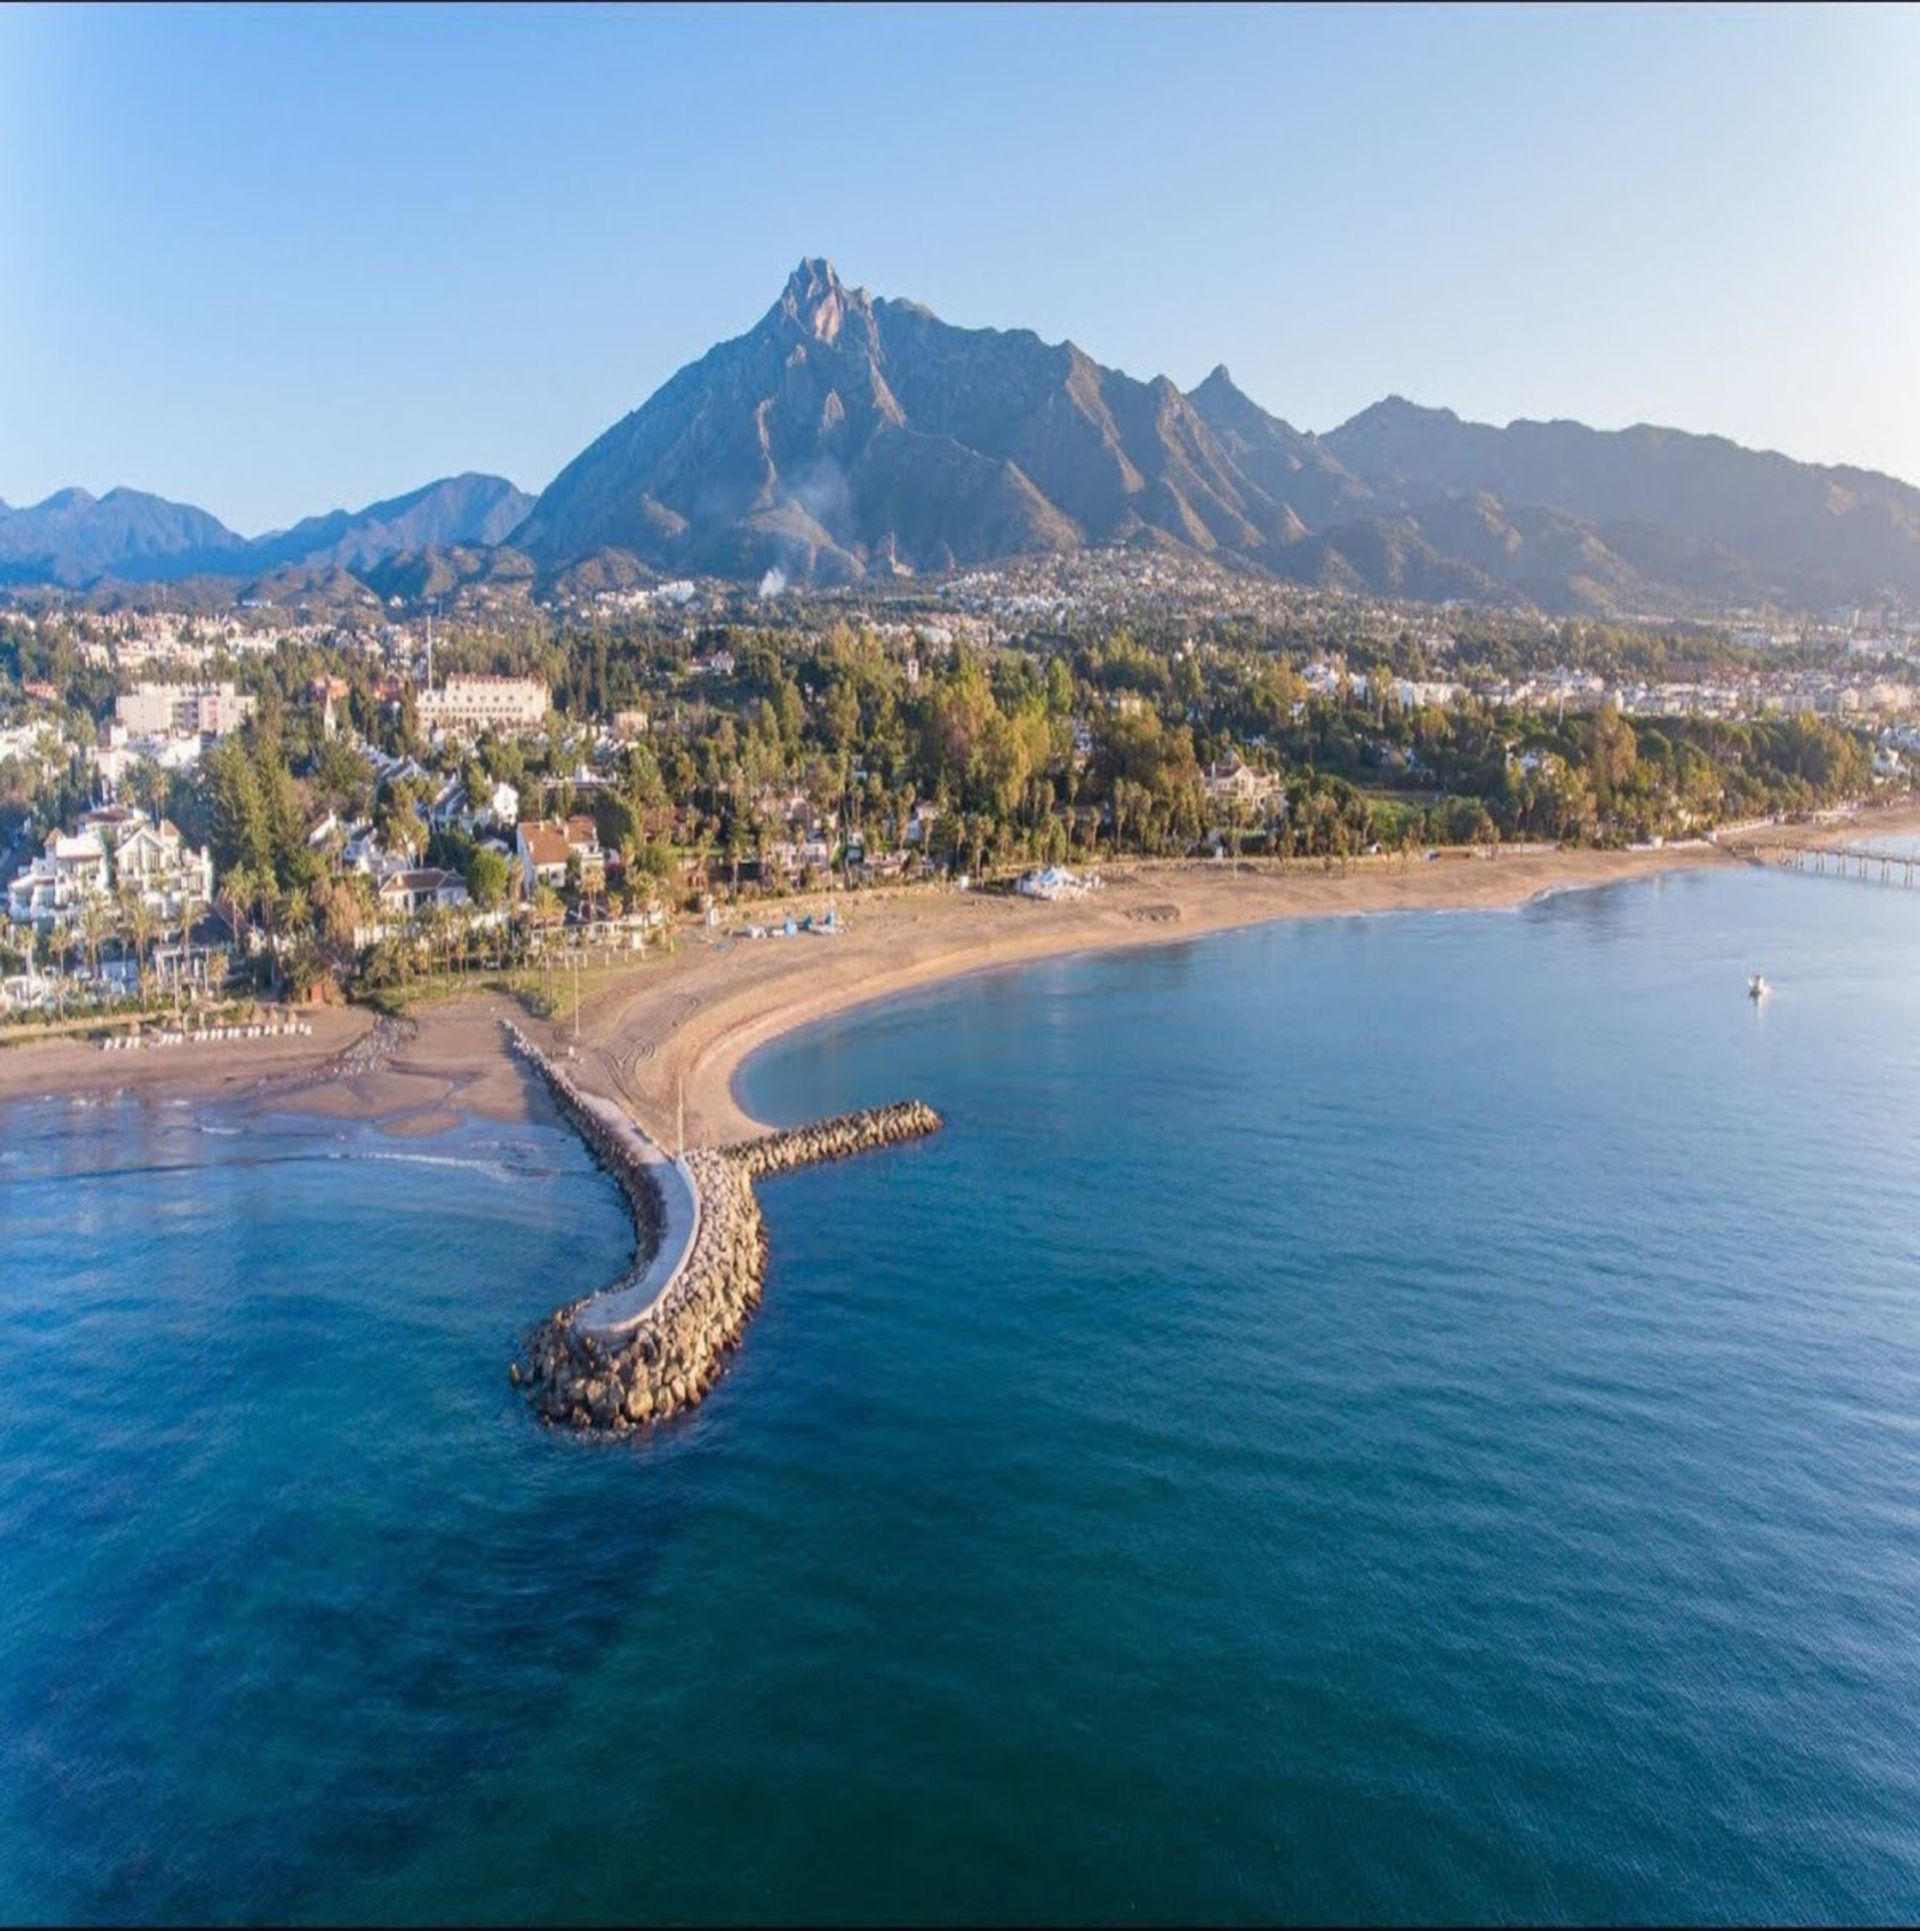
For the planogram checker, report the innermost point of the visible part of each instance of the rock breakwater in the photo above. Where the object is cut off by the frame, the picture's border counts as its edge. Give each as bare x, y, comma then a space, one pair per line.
585, 1372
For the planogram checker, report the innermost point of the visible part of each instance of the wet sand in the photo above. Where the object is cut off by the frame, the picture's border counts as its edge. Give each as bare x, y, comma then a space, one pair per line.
424, 1075
228, 1069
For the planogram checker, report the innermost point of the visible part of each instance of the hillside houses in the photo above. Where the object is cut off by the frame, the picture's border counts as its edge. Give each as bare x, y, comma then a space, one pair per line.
168, 724
453, 810
34, 742
118, 750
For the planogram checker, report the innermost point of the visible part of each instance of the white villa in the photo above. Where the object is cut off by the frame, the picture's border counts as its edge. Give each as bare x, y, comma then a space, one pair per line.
113, 850
1234, 782
544, 845
404, 895
543, 851
421, 890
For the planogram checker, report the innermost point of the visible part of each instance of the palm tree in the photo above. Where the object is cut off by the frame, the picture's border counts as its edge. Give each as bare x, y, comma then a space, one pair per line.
142, 924
466, 930
437, 928
67, 942
296, 926
238, 889
95, 923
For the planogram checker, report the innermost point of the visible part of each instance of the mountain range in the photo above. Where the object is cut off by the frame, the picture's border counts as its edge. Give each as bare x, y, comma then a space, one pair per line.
74, 538
847, 437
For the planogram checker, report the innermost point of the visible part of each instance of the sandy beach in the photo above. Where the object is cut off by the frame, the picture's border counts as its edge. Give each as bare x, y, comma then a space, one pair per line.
682, 1024
229, 1070
410, 1077
685, 1022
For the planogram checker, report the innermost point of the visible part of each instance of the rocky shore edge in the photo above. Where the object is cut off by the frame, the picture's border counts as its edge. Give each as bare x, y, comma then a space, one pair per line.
665, 1361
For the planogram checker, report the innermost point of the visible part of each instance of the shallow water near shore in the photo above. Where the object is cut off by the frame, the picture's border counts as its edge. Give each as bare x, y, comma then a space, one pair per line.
1397, 1418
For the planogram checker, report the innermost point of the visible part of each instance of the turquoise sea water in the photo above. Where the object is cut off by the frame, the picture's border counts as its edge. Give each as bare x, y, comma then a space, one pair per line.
1414, 1417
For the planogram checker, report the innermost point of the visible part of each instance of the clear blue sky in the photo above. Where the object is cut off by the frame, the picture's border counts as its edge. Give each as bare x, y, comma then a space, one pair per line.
272, 262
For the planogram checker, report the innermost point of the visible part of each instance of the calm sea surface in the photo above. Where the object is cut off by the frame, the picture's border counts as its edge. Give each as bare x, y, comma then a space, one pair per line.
1405, 1418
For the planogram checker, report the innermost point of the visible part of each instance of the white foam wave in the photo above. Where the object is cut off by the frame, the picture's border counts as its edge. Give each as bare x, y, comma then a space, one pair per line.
493, 1169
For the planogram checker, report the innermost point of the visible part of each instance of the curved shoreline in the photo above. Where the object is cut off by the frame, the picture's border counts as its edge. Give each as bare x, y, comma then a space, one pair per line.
698, 1048
679, 1027
661, 1044
653, 1343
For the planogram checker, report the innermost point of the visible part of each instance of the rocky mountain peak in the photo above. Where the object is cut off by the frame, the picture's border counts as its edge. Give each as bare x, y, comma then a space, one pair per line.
816, 302
1221, 400
845, 436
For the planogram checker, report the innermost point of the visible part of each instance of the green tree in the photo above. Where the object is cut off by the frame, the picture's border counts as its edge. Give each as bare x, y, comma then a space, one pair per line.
489, 878
242, 836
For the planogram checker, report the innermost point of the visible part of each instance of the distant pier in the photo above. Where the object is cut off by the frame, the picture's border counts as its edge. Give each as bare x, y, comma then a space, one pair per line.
1876, 863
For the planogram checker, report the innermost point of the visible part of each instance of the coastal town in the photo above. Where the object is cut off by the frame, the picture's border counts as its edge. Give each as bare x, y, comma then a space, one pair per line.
306, 802
957, 964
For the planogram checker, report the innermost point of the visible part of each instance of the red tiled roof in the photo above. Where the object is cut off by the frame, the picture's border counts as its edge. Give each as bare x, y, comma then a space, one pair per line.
544, 843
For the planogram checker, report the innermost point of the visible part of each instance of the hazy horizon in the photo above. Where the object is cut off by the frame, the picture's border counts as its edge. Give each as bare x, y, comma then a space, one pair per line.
275, 264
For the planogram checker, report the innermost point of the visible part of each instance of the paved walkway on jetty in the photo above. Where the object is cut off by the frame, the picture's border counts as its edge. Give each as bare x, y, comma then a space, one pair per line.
651, 1347
619, 1309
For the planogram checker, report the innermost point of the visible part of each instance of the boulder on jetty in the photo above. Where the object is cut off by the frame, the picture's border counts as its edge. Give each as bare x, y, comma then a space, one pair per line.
664, 1361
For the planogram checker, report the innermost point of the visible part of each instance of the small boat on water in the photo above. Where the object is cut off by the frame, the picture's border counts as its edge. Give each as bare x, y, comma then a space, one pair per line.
1757, 987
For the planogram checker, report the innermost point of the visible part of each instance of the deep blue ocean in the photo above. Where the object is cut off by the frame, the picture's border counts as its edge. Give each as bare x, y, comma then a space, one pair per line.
1407, 1418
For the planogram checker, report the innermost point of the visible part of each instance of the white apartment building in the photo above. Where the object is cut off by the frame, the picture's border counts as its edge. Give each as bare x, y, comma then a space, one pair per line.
476, 704
49, 893
182, 710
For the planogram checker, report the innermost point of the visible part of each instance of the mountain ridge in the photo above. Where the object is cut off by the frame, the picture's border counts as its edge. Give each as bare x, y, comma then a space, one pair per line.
76, 539
847, 436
